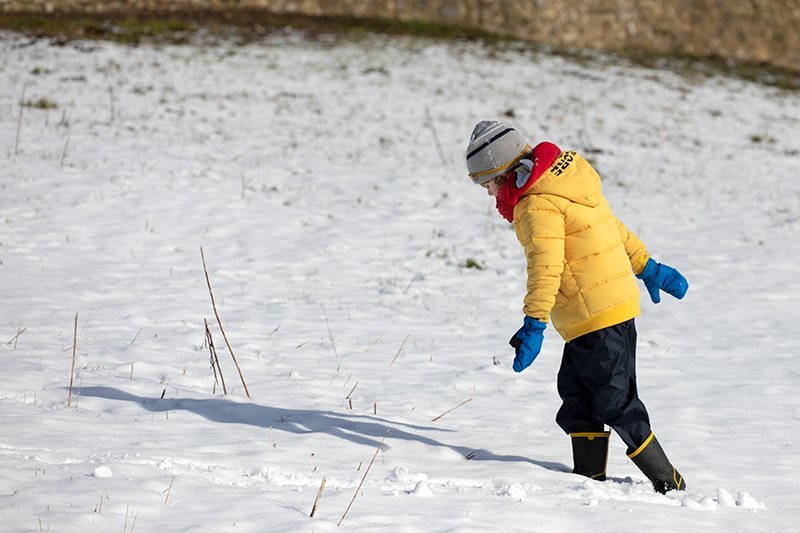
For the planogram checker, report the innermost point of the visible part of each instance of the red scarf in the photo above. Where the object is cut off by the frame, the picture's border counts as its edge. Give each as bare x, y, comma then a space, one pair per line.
544, 155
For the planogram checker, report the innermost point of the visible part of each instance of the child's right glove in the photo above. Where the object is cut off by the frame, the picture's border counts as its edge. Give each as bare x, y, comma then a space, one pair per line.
527, 343
659, 276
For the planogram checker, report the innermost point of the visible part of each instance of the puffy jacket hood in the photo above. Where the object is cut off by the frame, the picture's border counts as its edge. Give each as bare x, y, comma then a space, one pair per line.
543, 156
570, 177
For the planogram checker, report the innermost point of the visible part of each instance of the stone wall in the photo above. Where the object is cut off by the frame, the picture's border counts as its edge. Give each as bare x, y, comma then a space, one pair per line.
756, 31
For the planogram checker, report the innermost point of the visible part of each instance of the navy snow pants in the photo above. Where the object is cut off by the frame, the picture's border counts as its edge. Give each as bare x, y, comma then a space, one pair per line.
597, 383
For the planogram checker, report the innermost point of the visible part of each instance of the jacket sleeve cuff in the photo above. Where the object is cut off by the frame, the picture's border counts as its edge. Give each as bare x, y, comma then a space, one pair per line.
640, 263
648, 270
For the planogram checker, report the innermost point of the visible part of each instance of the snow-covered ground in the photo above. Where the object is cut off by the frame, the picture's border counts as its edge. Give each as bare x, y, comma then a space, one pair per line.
325, 181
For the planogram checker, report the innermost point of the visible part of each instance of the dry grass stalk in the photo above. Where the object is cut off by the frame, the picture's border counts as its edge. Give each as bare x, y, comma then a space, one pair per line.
19, 118
432, 126
64, 152
351, 391
99, 507
111, 110
451, 410
169, 489
214, 360
219, 322
399, 350
319, 495
20, 331
136, 336
380, 445
74, 353
376, 341
330, 333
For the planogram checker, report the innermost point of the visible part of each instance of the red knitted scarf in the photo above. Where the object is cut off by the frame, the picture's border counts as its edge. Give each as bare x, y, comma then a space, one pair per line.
544, 155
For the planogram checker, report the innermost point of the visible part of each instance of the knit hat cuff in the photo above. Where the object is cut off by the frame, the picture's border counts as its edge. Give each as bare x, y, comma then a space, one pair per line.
486, 175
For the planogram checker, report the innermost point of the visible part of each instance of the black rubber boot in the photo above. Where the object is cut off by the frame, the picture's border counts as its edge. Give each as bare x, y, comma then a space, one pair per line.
590, 454
653, 462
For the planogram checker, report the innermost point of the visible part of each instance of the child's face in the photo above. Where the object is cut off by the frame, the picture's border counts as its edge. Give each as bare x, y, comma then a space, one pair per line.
492, 186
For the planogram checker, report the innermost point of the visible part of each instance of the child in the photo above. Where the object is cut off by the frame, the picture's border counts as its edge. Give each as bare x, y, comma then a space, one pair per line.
581, 265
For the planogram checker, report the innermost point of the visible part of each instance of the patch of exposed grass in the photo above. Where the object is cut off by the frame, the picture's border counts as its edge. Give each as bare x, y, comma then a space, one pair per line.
115, 27
704, 67
472, 263
688, 66
762, 139
243, 24
40, 103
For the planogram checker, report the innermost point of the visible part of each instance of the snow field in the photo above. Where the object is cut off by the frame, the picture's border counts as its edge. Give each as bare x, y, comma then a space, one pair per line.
337, 239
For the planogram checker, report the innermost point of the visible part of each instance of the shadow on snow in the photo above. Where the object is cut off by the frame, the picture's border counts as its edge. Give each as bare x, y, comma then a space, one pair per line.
360, 429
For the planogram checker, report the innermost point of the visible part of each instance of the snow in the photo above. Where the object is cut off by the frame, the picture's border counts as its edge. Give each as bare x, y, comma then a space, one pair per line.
336, 238
102, 471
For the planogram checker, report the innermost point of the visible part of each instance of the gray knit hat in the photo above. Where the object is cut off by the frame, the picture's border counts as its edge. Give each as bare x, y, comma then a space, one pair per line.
493, 147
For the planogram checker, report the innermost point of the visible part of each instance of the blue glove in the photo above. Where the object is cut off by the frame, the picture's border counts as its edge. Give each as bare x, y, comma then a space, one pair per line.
658, 276
527, 342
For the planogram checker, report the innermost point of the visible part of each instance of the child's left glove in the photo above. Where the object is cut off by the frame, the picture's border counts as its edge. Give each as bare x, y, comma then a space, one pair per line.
657, 276
527, 343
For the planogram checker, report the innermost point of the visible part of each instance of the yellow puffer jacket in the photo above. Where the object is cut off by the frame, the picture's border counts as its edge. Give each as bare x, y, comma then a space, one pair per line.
581, 259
